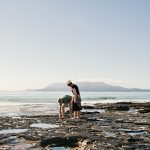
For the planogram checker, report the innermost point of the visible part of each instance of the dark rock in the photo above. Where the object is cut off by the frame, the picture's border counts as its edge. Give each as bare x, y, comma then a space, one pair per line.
88, 107
133, 139
60, 141
122, 107
9, 140
142, 123
94, 112
144, 110
72, 141
142, 147
56, 141
118, 107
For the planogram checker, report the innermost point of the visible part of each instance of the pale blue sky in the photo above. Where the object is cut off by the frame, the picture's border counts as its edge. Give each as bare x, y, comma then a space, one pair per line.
44, 41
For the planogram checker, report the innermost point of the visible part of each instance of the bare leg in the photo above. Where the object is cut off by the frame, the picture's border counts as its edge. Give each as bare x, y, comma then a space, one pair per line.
62, 111
75, 114
70, 108
78, 114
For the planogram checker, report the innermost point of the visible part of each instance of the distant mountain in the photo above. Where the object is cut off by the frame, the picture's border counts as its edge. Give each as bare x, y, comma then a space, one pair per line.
92, 86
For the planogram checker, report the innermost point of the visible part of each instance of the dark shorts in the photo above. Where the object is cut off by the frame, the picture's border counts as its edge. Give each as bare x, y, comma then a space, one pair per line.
77, 106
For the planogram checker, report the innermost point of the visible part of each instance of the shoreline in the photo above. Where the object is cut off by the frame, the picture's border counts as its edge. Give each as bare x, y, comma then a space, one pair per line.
20, 109
115, 127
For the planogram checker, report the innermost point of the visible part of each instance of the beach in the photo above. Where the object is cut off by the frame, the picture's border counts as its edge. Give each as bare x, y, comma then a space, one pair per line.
64, 54
123, 125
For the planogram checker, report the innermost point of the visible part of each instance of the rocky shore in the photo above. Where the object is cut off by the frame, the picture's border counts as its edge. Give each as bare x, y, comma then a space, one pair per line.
117, 126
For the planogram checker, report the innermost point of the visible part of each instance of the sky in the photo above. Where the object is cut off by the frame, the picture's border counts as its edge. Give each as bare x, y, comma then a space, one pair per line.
45, 41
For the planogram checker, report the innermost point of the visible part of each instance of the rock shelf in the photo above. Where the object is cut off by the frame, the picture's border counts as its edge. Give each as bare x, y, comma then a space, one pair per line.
123, 126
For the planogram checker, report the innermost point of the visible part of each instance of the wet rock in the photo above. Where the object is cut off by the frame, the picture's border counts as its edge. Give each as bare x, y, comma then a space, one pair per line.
72, 141
118, 107
92, 119
88, 107
114, 128
120, 120
122, 107
60, 141
11, 139
144, 110
56, 141
133, 139
142, 123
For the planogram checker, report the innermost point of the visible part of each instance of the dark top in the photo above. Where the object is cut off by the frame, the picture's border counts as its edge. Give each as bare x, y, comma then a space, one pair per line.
76, 88
78, 92
66, 99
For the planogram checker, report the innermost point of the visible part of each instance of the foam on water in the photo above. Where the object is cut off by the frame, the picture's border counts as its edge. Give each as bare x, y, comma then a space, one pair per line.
44, 103
28, 109
92, 102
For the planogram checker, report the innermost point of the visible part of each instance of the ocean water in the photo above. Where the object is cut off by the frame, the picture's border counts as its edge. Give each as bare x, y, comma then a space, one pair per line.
39, 102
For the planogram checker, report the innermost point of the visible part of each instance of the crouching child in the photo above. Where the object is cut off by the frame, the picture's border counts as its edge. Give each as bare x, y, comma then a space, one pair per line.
64, 102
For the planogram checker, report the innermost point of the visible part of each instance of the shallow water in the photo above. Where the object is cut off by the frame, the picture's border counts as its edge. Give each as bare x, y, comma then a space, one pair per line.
28, 110
28, 103
13, 131
59, 148
87, 97
133, 111
93, 110
43, 125
133, 132
109, 134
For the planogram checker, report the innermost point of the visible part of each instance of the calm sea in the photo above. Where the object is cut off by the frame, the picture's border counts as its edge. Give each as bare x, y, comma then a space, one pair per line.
37, 102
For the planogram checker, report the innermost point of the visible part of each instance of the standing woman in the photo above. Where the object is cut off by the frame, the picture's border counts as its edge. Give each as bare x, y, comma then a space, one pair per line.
76, 106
